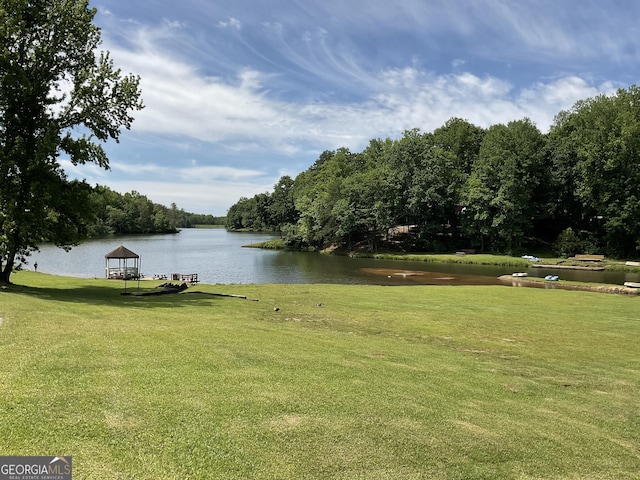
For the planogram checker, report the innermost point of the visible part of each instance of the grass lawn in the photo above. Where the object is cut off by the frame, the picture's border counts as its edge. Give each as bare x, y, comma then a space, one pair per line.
475, 259
340, 382
503, 260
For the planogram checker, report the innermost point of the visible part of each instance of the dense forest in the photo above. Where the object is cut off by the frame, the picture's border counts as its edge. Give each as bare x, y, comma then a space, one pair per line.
132, 213
507, 188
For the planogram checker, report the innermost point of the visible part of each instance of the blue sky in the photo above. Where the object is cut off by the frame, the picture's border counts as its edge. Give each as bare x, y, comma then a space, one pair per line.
241, 92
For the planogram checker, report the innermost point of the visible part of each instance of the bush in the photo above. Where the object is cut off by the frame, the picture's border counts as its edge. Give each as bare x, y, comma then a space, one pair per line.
567, 244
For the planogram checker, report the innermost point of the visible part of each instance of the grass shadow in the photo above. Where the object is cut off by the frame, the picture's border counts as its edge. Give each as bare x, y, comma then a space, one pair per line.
88, 292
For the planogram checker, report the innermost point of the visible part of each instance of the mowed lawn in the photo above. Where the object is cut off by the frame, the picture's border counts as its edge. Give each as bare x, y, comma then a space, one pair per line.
340, 382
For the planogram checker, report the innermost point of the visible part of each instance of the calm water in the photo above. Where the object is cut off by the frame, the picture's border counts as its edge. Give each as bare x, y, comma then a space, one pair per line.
217, 256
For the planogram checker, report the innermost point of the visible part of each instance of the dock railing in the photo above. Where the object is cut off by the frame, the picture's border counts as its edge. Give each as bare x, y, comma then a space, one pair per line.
181, 277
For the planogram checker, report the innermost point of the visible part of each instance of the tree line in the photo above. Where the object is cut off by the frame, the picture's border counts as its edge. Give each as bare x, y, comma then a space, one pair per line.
133, 213
507, 188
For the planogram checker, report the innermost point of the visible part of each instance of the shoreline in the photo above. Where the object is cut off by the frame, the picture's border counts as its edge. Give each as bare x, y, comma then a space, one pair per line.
570, 267
563, 285
466, 259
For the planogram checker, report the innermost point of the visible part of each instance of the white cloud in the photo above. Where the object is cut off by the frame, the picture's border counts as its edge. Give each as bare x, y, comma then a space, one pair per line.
233, 23
199, 189
214, 197
248, 110
542, 101
258, 92
90, 171
241, 113
138, 169
207, 174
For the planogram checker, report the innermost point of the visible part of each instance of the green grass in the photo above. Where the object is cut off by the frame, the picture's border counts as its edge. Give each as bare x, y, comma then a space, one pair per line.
341, 382
476, 259
501, 260
275, 244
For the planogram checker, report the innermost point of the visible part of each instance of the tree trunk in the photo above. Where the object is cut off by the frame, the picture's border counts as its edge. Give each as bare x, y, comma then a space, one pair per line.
5, 274
7, 269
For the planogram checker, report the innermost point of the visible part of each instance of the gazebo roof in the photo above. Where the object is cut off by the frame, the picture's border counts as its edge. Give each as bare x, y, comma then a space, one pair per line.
121, 252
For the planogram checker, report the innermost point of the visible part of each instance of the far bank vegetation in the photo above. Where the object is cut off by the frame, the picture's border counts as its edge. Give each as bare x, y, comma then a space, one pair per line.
505, 189
114, 213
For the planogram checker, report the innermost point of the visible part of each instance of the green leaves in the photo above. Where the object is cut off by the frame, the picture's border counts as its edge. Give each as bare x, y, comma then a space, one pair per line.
56, 95
596, 151
504, 189
501, 193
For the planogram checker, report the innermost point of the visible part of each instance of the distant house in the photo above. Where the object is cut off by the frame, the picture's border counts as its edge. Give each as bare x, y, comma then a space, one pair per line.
401, 230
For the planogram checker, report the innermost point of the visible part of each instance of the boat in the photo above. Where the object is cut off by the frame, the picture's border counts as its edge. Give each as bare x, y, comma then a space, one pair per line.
632, 264
632, 284
551, 278
519, 274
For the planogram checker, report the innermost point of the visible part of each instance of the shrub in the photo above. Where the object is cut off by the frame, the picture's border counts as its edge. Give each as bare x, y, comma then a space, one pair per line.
567, 244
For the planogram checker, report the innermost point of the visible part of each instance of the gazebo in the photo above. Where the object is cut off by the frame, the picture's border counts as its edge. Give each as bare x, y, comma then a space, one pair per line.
124, 270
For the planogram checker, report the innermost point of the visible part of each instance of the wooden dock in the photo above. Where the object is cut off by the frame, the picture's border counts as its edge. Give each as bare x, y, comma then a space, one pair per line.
588, 258
188, 277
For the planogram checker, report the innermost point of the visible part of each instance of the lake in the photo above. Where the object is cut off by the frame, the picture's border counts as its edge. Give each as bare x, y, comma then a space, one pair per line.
218, 256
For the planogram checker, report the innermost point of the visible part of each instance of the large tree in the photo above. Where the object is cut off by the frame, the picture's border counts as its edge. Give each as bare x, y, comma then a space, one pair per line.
58, 94
317, 192
282, 210
596, 160
501, 195
463, 140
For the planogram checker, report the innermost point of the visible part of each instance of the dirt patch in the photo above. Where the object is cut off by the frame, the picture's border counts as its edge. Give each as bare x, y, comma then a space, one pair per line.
419, 277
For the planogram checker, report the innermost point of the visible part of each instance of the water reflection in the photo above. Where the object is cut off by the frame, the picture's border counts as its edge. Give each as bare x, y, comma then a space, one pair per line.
218, 256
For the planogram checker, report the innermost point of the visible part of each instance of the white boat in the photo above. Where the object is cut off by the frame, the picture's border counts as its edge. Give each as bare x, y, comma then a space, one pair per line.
632, 264
632, 284
519, 274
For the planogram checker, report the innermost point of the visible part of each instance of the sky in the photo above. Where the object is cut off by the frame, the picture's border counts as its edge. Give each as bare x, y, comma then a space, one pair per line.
238, 93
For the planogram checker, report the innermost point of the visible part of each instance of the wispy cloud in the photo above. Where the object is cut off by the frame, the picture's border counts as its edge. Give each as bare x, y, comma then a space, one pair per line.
240, 111
195, 188
232, 22
235, 96
207, 174
200, 197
